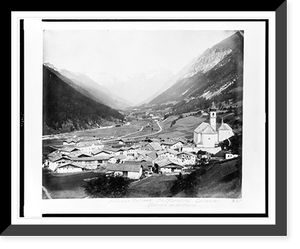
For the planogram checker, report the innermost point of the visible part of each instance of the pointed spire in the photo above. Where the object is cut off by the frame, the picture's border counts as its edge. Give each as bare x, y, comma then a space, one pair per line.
222, 121
213, 107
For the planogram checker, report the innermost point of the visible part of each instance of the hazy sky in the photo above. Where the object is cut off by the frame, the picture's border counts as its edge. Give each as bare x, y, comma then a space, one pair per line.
123, 53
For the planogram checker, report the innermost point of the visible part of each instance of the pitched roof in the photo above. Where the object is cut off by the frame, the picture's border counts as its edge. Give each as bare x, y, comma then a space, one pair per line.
84, 158
225, 126
124, 167
187, 153
155, 145
205, 128
152, 155
161, 152
78, 154
170, 142
69, 148
201, 127
70, 140
98, 151
209, 130
143, 158
57, 157
133, 147
70, 163
168, 162
171, 151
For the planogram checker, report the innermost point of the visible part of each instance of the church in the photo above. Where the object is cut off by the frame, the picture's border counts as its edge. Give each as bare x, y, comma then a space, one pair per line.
208, 135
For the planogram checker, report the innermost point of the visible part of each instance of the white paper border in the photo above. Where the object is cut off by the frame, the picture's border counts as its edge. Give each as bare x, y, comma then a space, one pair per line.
30, 172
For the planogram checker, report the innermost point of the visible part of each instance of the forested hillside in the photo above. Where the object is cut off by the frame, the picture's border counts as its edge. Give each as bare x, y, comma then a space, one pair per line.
66, 109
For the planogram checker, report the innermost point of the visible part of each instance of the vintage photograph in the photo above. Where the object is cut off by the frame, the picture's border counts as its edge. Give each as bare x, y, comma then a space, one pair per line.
142, 113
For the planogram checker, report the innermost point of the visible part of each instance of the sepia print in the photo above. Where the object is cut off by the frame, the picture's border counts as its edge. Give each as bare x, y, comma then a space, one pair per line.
142, 113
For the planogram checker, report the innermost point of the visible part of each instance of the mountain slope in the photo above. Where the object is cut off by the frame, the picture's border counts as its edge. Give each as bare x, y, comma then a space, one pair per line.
171, 81
99, 92
66, 109
216, 75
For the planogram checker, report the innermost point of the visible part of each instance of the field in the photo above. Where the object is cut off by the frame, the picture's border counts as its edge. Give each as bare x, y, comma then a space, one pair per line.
221, 180
134, 127
61, 186
154, 186
184, 127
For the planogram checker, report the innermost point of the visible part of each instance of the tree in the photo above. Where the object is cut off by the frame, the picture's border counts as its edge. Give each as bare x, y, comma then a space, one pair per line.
107, 186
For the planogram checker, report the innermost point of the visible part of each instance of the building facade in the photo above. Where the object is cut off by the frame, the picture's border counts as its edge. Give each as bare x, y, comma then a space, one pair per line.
208, 135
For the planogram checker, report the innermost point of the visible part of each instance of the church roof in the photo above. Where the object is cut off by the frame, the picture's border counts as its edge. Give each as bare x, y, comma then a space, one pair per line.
201, 127
224, 126
209, 130
205, 128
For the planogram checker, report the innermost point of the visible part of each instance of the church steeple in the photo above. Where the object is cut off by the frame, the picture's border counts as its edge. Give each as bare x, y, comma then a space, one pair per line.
213, 107
213, 116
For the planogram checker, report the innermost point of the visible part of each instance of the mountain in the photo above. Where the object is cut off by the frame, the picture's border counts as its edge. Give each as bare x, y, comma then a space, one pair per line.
171, 81
216, 75
66, 108
139, 87
99, 92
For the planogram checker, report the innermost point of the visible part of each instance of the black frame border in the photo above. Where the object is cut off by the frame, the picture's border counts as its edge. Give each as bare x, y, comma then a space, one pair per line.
280, 228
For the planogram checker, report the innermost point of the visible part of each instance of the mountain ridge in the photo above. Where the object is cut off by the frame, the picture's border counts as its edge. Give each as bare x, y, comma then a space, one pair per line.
218, 71
66, 109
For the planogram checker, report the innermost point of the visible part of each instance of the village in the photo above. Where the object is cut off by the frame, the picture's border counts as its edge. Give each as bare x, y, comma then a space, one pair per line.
144, 156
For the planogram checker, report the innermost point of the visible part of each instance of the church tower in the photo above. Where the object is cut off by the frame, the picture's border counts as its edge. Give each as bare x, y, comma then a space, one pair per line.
213, 116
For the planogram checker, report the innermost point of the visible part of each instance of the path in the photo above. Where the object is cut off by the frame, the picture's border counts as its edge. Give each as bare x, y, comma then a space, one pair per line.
146, 135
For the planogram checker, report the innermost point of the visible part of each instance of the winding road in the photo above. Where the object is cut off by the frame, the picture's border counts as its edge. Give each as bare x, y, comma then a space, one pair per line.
145, 135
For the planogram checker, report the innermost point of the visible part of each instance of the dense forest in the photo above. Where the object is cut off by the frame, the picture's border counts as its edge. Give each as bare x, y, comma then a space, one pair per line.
66, 109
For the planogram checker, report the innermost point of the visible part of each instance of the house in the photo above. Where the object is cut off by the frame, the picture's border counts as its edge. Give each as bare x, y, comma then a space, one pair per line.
120, 151
168, 166
66, 150
69, 142
208, 135
117, 159
224, 154
78, 153
174, 145
132, 151
101, 152
167, 153
103, 160
187, 158
88, 163
132, 171
55, 161
69, 167
89, 146
128, 141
